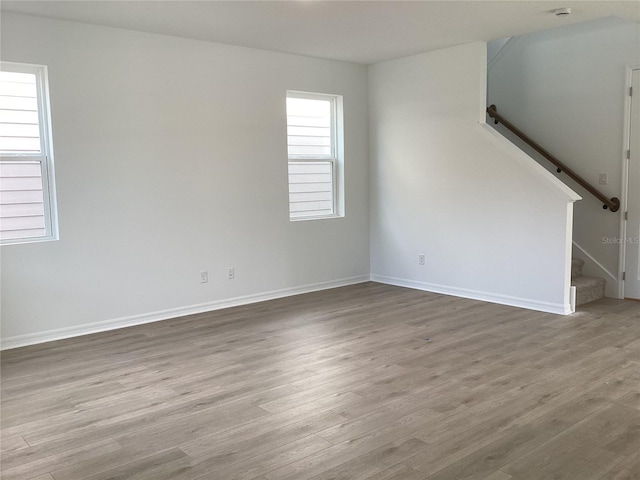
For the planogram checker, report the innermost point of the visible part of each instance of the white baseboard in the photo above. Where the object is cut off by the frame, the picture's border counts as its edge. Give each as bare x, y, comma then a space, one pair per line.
529, 304
105, 325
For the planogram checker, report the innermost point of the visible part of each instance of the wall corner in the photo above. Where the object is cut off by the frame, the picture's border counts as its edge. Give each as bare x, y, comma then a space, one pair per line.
482, 81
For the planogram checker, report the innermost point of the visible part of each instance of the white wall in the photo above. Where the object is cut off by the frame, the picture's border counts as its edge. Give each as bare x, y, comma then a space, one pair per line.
492, 223
565, 88
170, 160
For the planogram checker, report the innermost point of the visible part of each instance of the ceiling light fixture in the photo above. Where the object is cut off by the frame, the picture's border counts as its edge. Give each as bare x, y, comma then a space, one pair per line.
561, 12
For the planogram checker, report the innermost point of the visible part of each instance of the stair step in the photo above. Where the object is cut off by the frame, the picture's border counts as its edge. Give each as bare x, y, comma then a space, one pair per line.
588, 289
576, 267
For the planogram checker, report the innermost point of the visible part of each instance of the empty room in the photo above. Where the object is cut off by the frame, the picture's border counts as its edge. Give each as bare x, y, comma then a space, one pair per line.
296, 240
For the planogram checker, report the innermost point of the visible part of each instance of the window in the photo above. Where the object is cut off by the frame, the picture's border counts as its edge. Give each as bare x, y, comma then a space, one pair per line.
314, 133
27, 194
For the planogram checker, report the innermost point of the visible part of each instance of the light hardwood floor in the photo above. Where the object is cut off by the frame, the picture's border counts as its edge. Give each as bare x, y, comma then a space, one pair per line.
339, 384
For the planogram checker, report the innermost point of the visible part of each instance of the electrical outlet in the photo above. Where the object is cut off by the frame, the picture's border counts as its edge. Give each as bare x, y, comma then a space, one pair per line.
204, 277
421, 259
231, 274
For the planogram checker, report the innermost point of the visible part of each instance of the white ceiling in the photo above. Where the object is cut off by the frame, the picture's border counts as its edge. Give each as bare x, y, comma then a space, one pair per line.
355, 31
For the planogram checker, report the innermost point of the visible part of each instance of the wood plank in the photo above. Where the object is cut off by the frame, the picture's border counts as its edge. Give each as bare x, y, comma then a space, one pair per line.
25, 467
337, 384
11, 444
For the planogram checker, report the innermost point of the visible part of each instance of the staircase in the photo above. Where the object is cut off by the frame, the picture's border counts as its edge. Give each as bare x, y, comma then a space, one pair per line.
588, 289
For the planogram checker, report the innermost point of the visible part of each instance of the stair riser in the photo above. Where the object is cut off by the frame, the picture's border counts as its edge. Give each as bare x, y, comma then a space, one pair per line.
576, 267
586, 295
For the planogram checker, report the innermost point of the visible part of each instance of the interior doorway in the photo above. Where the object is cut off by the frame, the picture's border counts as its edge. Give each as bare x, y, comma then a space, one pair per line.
632, 237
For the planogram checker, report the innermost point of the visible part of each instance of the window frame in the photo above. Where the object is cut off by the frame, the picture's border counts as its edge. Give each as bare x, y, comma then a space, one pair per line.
336, 158
44, 157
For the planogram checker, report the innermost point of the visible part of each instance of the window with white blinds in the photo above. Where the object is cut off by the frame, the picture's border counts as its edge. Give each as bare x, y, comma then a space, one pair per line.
27, 201
314, 154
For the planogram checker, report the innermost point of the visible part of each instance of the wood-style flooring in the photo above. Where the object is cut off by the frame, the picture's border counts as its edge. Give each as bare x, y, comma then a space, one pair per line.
339, 384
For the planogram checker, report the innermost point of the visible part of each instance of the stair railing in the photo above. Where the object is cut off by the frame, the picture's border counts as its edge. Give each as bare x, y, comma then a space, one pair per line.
612, 204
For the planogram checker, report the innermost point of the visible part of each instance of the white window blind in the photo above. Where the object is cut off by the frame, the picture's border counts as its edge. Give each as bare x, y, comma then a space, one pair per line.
310, 189
26, 181
312, 150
